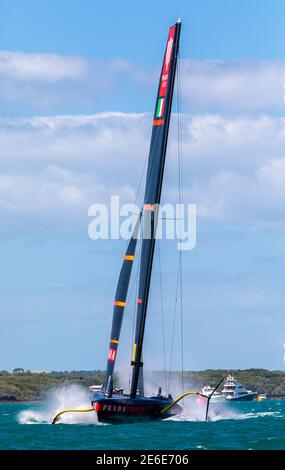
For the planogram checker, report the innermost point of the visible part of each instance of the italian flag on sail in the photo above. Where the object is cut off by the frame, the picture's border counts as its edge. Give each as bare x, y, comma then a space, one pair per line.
160, 108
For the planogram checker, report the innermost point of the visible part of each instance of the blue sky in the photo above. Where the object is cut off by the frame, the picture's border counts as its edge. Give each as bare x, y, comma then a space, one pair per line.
215, 29
77, 86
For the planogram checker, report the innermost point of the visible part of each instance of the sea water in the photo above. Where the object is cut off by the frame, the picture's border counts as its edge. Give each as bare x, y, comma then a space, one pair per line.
251, 425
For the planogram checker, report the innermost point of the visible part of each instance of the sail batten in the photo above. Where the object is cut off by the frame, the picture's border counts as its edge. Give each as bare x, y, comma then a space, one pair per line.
152, 196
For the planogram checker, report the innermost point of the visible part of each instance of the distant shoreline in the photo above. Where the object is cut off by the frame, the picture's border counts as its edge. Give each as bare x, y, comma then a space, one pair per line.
26, 387
27, 402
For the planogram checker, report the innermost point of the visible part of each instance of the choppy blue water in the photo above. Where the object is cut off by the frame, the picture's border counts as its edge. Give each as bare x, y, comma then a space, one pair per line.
238, 426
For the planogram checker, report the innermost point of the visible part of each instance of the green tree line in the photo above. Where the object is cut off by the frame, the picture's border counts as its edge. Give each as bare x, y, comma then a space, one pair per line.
26, 386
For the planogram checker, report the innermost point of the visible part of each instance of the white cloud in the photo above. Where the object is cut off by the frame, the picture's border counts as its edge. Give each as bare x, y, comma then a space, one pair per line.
41, 67
239, 86
49, 82
53, 168
236, 167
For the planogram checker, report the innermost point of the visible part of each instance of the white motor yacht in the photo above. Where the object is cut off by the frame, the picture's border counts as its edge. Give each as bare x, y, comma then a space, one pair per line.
217, 397
234, 391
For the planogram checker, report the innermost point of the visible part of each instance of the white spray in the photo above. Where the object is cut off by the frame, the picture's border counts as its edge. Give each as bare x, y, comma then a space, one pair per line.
67, 397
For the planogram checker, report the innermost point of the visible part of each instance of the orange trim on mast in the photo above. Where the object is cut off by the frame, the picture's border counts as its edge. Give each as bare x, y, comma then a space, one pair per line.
129, 257
158, 122
139, 301
148, 207
114, 341
118, 303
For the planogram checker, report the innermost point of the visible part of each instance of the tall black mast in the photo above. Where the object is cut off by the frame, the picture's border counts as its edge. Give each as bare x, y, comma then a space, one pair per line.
119, 307
154, 180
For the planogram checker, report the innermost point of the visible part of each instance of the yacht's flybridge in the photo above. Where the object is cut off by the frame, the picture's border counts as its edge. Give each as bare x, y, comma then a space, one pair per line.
231, 391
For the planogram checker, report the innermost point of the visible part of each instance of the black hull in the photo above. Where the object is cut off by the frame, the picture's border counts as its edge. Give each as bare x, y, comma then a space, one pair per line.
123, 409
